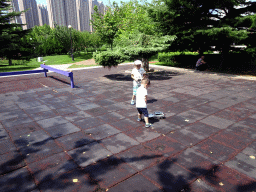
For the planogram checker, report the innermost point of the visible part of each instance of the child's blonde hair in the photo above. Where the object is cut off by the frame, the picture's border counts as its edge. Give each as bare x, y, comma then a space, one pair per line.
145, 81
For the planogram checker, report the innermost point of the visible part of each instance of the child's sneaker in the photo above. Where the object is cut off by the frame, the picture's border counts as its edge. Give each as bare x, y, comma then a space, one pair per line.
132, 102
139, 119
148, 125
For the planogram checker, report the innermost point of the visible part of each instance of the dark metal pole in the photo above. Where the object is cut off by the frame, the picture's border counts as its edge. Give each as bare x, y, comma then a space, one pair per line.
72, 56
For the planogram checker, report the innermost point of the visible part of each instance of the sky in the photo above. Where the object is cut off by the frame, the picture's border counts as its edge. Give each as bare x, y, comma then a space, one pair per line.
105, 2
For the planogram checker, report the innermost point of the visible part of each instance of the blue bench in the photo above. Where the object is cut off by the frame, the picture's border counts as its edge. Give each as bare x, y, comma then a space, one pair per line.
68, 74
44, 70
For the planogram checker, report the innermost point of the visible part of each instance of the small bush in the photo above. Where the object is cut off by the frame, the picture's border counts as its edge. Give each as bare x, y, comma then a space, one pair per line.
109, 58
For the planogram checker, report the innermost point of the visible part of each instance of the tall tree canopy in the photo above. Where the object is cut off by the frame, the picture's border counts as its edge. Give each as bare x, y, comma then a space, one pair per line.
13, 43
187, 19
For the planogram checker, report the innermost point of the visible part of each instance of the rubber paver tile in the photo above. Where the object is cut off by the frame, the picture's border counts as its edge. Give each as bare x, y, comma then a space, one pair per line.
45, 123
11, 161
201, 186
58, 105
125, 124
12, 114
232, 115
71, 181
170, 176
118, 143
165, 146
97, 111
186, 137
105, 102
140, 157
3, 134
196, 162
111, 117
77, 101
250, 150
40, 150
136, 183
251, 122
26, 105
102, 131
37, 109
206, 108
8, 107
242, 130
9, 123
89, 154
77, 116
179, 120
232, 140
202, 129
6, 145
183, 96
217, 122
88, 122
19, 180
194, 102
65, 110
163, 126
74, 140
192, 115
87, 106
178, 108
171, 100
244, 107
219, 105
62, 129
43, 115
108, 172
114, 107
50, 167
225, 179
215, 150
142, 134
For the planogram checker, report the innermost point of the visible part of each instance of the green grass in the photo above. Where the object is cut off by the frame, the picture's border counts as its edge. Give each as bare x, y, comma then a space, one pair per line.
48, 60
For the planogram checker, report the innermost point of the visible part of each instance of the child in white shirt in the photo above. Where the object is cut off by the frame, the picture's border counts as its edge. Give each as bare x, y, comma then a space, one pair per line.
137, 76
141, 101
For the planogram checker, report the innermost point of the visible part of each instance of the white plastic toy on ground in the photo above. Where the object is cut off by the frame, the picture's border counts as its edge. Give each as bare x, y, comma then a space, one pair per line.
157, 115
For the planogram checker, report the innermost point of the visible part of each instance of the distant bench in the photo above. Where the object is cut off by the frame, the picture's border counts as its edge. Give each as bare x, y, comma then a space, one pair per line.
68, 74
44, 70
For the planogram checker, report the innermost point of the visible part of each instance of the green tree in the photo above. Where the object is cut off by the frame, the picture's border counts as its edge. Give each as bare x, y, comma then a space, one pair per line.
13, 44
106, 26
190, 21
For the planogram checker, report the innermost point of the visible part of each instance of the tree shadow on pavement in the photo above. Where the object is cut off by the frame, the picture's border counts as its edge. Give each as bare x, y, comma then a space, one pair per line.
159, 75
66, 175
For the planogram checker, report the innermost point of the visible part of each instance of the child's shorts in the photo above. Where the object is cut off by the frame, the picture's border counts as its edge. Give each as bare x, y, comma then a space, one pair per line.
143, 111
135, 89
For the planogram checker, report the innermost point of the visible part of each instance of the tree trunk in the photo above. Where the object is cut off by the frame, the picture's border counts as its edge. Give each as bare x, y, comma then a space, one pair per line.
10, 61
145, 64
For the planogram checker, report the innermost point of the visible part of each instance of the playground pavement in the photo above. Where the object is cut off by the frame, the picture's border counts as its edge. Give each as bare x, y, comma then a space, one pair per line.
55, 138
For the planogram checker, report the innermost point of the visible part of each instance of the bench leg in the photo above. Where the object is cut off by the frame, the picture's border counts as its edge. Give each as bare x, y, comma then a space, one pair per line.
45, 72
72, 81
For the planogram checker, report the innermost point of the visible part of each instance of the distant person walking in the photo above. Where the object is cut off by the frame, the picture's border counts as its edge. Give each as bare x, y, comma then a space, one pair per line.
200, 64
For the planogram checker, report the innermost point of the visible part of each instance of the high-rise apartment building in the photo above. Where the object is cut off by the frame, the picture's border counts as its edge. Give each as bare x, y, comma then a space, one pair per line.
83, 16
92, 3
43, 15
62, 12
30, 18
15, 7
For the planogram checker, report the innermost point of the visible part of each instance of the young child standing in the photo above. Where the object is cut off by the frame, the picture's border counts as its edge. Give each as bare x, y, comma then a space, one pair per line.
141, 101
137, 76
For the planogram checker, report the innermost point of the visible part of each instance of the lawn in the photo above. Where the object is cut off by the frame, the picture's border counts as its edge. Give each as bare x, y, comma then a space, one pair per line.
48, 60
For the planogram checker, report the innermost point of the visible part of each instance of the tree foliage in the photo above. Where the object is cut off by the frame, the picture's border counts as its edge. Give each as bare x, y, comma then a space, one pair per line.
13, 43
185, 18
